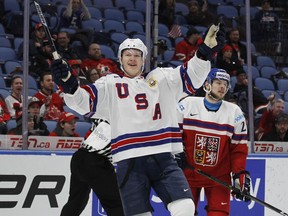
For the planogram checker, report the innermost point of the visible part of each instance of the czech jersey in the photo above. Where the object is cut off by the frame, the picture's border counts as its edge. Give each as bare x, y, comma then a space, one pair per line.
215, 141
141, 110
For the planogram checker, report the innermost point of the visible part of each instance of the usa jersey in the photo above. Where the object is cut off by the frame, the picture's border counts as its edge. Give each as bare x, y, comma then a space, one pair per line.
141, 110
215, 141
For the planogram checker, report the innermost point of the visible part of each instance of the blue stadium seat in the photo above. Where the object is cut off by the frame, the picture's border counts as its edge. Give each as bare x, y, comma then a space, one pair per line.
180, 19
133, 26
168, 55
10, 66
108, 52
267, 71
282, 85
5, 42
32, 92
82, 128
117, 38
142, 37
264, 83
201, 29
125, 4
141, 6
233, 81
11, 124
254, 70
7, 54
181, 8
285, 96
174, 63
67, 109
265, 61
11, 5
178, 39
2, 30
267, 93
95, 13
184, 30
113, 14
163, 29
4, 92
16, 43
93, 24
253, 11
103, 4
238, 3
113, 26
228, 11
216, 2
135, 15
51, 125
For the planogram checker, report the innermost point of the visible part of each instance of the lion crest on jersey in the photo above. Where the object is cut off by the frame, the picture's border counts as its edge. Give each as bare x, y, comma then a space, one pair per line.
206, 150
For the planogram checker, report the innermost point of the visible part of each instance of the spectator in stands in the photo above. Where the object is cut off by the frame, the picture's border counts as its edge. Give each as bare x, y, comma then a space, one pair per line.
186, 49
167, 12
40, 128
15, 99
42, 61
279, 131
77, 70
4, 115
96, 60
225, 61
267, 120
73, 14
239, 52
52, 100
93, 75
63, 46
240, 92
18, 129
66, 126
266, 23
35, 43
161, 48
198, 14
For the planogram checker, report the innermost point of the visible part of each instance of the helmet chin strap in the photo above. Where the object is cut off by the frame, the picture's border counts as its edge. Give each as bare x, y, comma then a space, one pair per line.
211, 94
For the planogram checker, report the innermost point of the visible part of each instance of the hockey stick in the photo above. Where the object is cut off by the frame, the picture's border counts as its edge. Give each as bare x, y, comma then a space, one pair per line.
236, 190
46, 29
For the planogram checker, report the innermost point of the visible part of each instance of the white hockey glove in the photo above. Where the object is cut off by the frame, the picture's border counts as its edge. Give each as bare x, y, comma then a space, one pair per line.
213, 41
242, 181
99, 140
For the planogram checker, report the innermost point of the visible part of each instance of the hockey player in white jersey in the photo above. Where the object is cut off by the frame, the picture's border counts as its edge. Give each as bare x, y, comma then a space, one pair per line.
141, 109
215, 140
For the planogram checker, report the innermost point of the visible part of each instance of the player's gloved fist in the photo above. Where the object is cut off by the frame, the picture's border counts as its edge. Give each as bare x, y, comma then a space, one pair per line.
242, 182
63, 77
213, 42
181, 159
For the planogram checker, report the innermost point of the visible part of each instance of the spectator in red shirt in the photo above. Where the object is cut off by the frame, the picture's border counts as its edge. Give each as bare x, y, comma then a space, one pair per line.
98, 61
66, 126
267, 119
53, 101
186, 49
4, 116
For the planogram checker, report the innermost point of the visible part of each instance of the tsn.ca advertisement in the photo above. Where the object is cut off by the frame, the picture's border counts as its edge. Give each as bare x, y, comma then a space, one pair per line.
36, 182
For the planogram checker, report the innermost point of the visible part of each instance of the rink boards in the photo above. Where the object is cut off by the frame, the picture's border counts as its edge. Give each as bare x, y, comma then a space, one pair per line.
37, 183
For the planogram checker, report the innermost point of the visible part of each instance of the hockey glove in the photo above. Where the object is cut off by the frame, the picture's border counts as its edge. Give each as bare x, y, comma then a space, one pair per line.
181, 159
242, 181
63, 76
213, 41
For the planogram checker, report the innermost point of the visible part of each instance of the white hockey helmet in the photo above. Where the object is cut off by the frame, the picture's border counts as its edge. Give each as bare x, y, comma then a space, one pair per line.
134, 43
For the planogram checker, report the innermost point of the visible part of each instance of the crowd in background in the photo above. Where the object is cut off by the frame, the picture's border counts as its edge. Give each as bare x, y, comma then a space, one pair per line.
89, 64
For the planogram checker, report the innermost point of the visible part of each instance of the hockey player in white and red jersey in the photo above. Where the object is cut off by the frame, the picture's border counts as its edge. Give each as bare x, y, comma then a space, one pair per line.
215, 141
141, 109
